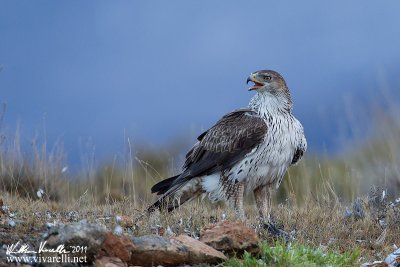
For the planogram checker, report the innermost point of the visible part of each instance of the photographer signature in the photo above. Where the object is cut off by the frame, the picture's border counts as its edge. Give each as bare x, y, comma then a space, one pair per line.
25, 249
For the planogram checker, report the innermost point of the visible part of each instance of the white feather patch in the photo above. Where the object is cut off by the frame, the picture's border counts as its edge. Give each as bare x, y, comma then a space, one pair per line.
210, 183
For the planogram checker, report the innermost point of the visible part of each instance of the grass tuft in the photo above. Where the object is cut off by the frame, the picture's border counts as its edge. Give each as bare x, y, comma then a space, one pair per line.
282, 254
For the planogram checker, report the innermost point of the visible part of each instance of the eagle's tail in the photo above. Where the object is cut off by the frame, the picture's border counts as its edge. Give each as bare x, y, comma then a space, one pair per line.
163, 186
171, 194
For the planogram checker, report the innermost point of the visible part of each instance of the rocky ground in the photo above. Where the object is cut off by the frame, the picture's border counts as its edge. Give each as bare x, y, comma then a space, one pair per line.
120, 234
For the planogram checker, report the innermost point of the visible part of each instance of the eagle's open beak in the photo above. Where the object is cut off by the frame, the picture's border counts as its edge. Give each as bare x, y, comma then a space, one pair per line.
256, 85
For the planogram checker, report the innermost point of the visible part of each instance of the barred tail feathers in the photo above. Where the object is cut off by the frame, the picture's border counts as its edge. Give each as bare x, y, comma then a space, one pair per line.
163, 186
174, 193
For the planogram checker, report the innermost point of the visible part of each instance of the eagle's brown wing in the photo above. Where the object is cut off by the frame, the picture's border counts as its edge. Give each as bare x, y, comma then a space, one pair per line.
224, 144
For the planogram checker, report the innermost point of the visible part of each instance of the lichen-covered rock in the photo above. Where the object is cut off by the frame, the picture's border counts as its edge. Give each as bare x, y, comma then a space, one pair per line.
81, 234
153, 250
230, 237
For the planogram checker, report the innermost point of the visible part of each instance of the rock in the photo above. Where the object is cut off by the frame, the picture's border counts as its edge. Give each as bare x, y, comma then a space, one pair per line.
375, 264
198, 250
118, 230
377, 203
230, 238
115, 246
109, 262
90, 236
153, 250
11, 223
393, 259
358, 209
112, 250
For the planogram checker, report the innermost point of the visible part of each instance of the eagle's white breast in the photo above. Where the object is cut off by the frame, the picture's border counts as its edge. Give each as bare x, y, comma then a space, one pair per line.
268, 162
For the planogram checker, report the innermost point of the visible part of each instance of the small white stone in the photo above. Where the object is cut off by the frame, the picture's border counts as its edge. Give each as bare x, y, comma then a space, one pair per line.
375, 263
169, 231
118, 230
383, 223
223, 216
40, 193
348, 213
51, 224
11, 222
395, 203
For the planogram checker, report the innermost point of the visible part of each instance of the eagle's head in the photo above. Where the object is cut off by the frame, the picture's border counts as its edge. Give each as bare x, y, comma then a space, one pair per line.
271, 85
268, 81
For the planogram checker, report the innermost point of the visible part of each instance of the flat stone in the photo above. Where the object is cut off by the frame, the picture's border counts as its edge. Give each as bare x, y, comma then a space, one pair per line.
231, 237
153, 250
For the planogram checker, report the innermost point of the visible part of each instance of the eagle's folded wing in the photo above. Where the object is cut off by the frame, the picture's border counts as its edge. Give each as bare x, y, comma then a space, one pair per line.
224, 144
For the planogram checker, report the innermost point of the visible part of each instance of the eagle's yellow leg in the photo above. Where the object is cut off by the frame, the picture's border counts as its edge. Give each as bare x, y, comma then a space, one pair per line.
262, 196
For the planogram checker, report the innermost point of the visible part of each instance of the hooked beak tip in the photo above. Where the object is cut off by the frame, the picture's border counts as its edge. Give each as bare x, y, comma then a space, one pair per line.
248, 80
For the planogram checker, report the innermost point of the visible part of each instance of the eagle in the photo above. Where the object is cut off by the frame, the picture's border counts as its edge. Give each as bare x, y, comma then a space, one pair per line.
247, 150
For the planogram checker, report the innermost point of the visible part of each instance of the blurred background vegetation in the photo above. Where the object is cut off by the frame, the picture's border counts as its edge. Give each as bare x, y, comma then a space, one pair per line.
372, 160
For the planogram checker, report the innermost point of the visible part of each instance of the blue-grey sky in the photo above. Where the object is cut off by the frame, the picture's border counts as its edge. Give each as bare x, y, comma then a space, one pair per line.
158, 70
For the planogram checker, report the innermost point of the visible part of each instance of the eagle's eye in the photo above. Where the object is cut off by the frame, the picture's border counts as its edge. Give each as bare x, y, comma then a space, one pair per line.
267, 78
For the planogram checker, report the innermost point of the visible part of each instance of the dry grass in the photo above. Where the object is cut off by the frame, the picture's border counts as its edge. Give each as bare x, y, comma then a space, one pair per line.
317, 224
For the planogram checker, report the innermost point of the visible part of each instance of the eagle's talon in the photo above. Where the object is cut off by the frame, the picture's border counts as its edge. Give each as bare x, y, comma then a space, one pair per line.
278, 233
